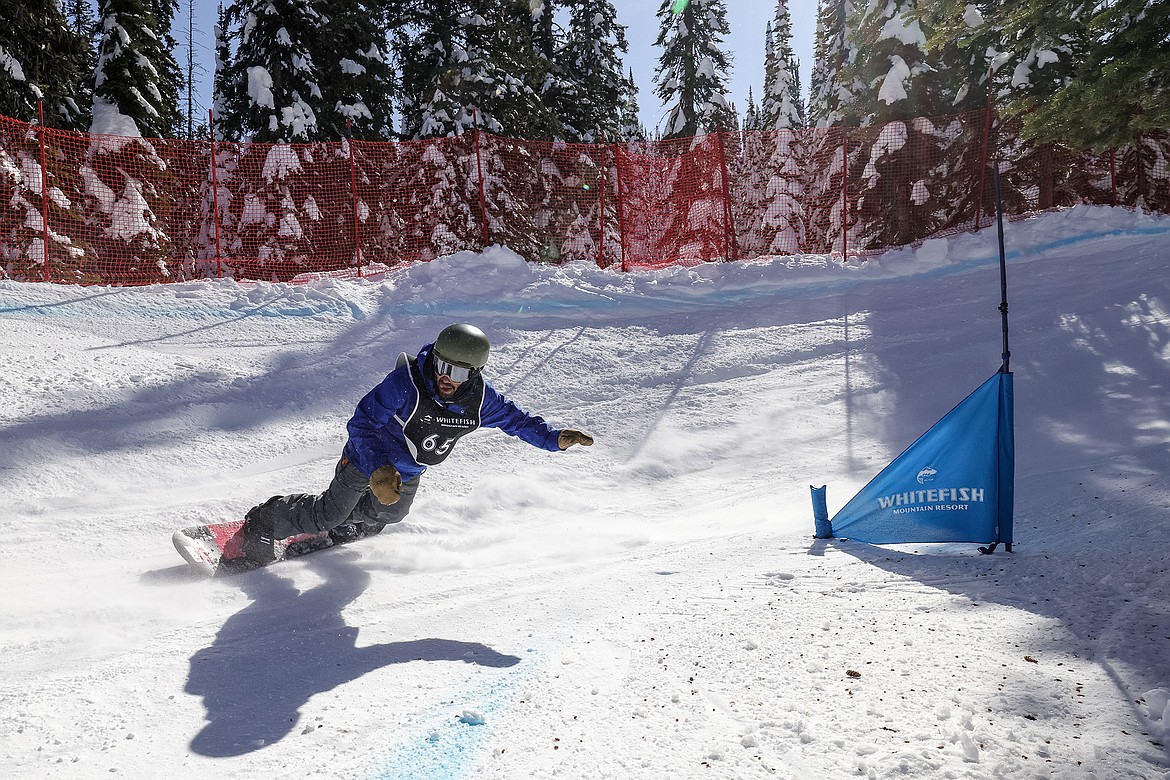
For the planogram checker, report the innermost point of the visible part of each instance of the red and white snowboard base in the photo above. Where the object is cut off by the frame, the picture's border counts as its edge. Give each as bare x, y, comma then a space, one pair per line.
216, 550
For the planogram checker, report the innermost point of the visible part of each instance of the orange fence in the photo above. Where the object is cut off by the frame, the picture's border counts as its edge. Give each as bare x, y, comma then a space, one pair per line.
96, 209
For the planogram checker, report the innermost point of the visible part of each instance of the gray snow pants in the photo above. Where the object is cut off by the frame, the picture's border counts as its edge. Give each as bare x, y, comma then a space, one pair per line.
347, 500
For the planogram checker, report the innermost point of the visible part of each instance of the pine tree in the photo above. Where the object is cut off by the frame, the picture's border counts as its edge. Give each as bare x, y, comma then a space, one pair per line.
832, 91
1094, 74
748, 172
84, 25
900, 78
221, 90
777, 221
356, 80
751, 117
81, 18
43, 58
430, 49
693, 69
470, 61
136, 76
904, 183
630, 127
781, 105
594, 47
546, 71
168, 68
1040, 44
959, 39
271, 85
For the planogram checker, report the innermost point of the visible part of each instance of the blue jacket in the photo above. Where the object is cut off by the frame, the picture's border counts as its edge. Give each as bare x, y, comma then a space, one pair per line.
376, 437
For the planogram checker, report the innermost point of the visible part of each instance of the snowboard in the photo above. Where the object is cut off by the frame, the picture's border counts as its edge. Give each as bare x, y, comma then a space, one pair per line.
217, 550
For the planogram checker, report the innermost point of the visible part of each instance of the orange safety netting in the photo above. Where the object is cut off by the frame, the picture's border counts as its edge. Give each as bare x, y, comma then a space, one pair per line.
96, 209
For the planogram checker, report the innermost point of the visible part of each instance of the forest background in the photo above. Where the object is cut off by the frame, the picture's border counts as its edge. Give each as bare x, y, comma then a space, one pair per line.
1090, 73
891, 142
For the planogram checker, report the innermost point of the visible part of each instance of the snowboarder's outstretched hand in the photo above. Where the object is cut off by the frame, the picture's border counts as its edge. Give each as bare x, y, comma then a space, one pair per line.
568, 437
386, 484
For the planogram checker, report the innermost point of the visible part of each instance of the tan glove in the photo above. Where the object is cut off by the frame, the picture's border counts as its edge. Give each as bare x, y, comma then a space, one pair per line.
568, 437
386, 484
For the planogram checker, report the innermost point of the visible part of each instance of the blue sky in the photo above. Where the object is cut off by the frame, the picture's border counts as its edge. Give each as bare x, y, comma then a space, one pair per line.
747, 19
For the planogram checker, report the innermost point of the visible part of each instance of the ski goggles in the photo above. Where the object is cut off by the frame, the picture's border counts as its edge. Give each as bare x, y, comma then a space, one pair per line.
453, 371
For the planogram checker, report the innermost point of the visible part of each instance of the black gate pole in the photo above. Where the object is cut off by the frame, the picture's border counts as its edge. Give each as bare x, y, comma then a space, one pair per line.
1003, 301
1003, 310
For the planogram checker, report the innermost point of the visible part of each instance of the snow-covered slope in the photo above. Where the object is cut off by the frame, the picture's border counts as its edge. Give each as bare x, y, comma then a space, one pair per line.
653, 606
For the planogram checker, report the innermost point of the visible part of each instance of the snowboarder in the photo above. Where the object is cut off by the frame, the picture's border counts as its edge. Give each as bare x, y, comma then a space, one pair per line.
410, 421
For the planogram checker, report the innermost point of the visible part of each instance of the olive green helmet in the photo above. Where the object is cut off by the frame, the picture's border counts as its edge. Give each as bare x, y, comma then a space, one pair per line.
464, 345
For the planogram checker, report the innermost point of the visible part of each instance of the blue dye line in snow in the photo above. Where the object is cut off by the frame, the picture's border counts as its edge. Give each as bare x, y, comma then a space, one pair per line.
741, 295
446, 745
81, 308
548, 307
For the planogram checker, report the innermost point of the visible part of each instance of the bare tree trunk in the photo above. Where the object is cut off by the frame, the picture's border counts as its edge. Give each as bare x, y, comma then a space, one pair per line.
190, 69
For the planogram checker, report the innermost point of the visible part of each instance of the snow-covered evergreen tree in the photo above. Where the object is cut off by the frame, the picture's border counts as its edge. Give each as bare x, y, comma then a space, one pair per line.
42, 58
832, 91
546, 70
777, 218
1127, 73
593, 50
436, 211
769, 213
751, 116
965, 47
136, 76
781, 105
1093, 74
29, 195
895, 82
1035, 46
271, 86
899, 77
168, 67
630, 126
693, 68
747, 166
221, 88
356, 79
465, 61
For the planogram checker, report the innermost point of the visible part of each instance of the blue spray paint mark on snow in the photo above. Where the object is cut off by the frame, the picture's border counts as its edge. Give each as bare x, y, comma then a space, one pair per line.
446, 745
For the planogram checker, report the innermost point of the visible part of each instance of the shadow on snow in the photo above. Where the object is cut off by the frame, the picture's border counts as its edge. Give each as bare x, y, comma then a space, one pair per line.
289, 645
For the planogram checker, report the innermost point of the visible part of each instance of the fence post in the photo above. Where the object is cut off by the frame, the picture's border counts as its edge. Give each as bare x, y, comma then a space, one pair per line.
45, 275
601, 205
215, 194
617, 172
482, 198
844, 193
729, 238
357, 236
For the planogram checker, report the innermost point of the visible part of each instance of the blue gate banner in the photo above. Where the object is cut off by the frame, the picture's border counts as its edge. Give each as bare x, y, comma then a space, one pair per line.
954, 484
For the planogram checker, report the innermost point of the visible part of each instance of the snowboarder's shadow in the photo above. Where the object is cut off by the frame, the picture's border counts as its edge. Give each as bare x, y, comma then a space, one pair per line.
288, 645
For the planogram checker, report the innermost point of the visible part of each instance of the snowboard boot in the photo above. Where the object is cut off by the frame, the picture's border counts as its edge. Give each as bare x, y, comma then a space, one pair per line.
345, 533
257, 534
349, 532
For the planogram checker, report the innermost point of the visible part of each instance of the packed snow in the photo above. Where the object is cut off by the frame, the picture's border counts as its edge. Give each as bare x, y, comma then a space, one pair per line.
653, 606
